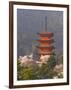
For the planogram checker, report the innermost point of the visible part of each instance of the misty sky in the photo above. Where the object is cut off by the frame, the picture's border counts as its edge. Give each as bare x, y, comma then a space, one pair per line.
29, 22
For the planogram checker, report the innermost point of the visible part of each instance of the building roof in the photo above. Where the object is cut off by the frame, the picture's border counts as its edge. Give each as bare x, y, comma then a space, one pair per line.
45, 34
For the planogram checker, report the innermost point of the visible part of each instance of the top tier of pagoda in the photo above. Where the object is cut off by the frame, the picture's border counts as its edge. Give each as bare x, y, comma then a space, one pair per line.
45, 41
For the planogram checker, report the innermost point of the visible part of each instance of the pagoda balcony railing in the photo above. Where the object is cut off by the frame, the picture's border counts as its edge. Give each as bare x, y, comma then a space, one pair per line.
45, 38
46, 50
46, 53
45, 47
49, 41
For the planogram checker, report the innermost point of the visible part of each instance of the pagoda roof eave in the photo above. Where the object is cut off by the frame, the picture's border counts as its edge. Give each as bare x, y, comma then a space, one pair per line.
45, 33
45, 46
47, 53
45, 40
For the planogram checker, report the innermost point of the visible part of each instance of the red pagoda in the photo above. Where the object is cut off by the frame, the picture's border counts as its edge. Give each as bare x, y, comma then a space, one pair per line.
45, 41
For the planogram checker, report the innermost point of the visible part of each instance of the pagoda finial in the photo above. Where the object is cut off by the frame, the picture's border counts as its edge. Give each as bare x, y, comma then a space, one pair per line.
45, 23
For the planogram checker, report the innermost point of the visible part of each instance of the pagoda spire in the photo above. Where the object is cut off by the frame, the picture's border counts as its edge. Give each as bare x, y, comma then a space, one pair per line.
45, 23
45, 41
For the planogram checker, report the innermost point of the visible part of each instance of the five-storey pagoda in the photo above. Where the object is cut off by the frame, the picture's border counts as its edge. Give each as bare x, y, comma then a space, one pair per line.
45, 41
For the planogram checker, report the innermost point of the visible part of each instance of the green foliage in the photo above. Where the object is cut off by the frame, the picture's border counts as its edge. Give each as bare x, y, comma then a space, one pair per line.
51, 62
60, 76
60, 59
46, 70
31, 72
19, 70
27, 73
